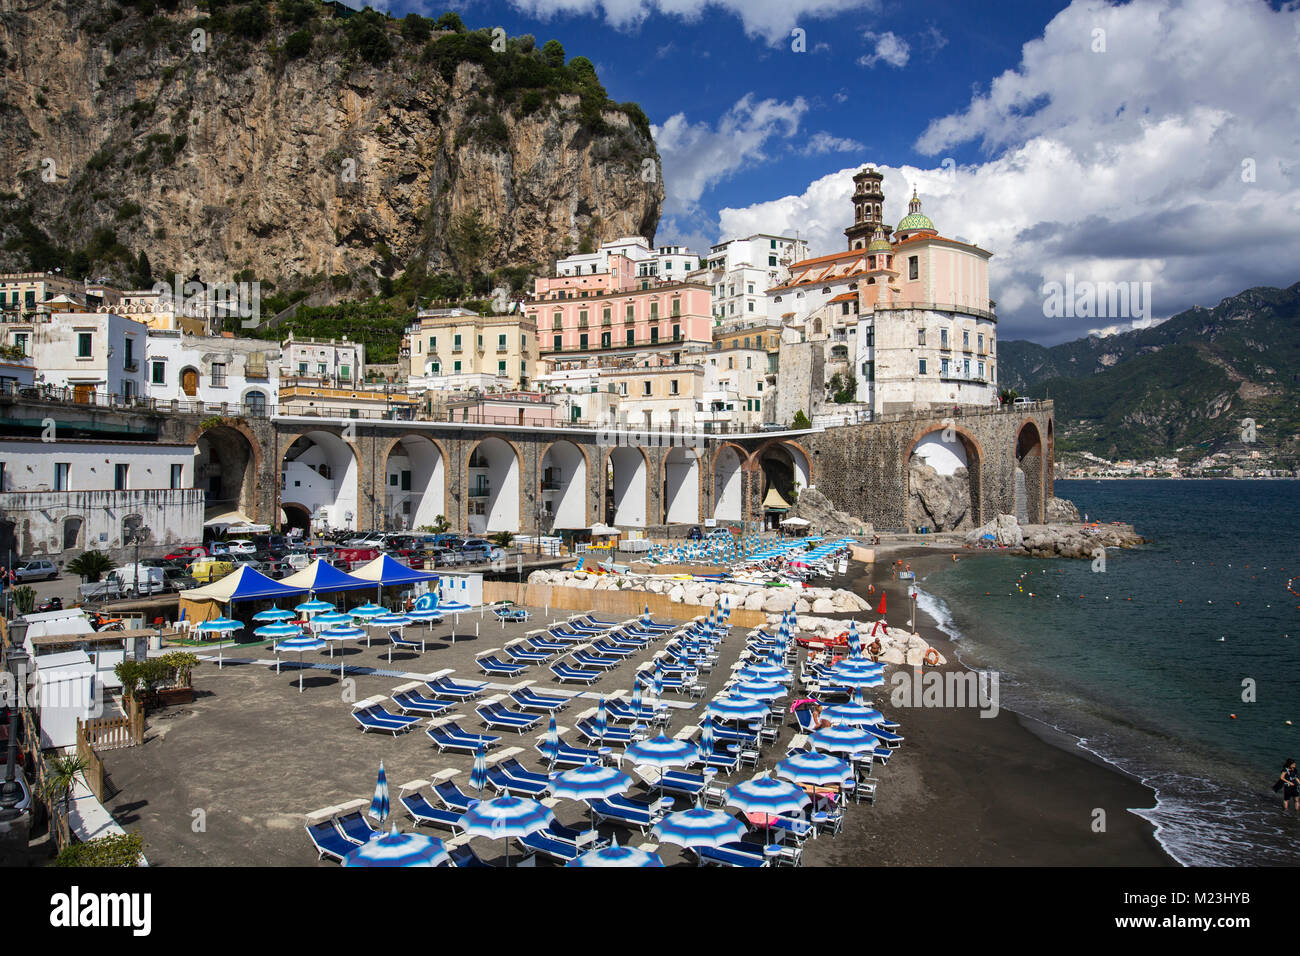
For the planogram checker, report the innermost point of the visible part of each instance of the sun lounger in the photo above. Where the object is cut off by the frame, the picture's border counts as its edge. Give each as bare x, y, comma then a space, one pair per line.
529, 699
464, 855
561, 842
567, 755
733, 854
371, 715
494, 666
524, 654
890, 740
409, 699
589, 660
606, 647
547, 643
593, 621
446, 734
511, 613
397, 639
325, 836
425, 813
632, 813
514, 769
355, 826
504, 783
494, 715
567, 672
456, 690
673, 781
613, 734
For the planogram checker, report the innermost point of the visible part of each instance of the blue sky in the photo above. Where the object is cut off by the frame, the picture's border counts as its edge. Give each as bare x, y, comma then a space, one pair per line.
1108, 142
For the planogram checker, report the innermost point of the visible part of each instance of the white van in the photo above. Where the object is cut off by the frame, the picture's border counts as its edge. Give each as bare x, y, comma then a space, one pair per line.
150, 580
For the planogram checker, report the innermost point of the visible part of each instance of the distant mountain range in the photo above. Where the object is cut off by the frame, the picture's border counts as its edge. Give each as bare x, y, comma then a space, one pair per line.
1182, 387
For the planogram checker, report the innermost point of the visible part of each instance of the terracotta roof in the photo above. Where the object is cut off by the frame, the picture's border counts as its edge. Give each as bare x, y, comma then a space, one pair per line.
845, 296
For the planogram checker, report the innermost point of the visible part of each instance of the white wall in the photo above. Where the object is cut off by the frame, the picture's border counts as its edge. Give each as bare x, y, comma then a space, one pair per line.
682, 478
29, 464
568, 503
629, 487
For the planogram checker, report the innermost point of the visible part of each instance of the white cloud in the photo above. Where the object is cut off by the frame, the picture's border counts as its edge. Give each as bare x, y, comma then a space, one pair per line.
1118, 166
772, 20
823, 142
697, 156
889, 48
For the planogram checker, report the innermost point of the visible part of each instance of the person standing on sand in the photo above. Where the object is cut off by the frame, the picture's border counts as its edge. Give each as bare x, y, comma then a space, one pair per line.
1290, 785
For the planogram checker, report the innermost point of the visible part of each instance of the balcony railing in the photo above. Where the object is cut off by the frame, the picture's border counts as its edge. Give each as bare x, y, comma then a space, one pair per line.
481, 490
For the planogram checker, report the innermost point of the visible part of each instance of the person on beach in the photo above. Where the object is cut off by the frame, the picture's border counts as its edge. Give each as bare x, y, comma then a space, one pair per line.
821, 723
1290, 784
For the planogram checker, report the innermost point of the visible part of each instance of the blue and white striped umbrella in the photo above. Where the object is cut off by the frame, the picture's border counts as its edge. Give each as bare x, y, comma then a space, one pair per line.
766, 794
367, 610
276, 632
736, 708
274, 614
661, 752
299, 644
636, 699
390, 620
659, 680
219, 625
551, 740
314, 606
814, 768
615, 855
452, 607
758, 689
765, 671
698, 827
601, 723
592, 781
843, 739
706, 737
425, 616
342, 632
478, 775
331, 619
853, 714
379, 802
398, 849
506, 817
854, 680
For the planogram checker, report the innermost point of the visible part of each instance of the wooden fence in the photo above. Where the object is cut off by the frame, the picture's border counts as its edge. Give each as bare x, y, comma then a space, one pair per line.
620, 603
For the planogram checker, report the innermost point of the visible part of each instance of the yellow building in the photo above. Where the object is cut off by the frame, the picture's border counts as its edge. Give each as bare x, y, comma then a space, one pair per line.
457, 350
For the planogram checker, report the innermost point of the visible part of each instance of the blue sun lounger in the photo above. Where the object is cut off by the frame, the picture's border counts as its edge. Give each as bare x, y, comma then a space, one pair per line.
494, 716
328, 841
733, 854
397, 639
620, 710
452, 797
674, 781
409, 700
566, 755
371, 716
613, 734
510, 613
890, 740
593, 621
632, 813
495, 667
589, 660
605, 646
446, 734
355, 826
522, 653
464, 855
504, 783
561, 842
455, 690
656, 626
529, 699
539, 643
515, 770
425, 813
565, 671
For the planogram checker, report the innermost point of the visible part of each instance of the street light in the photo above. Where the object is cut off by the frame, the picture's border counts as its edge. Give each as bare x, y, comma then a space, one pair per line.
11, 793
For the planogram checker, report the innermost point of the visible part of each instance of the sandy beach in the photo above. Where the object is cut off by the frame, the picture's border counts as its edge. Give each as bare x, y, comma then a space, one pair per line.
971, 790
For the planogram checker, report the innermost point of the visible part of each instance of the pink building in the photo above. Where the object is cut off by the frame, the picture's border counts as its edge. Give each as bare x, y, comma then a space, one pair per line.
507, 408
609, 311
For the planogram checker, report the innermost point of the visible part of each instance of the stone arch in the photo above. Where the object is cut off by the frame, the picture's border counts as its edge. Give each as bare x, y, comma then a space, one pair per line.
493, 483
321, 472
562, 485
227, 462
680, 481
729, 462
947, 495
627, 487
414, 495
1029, 503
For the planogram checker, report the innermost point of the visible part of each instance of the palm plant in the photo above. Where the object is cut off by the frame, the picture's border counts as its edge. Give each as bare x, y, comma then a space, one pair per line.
62, 771
91, 565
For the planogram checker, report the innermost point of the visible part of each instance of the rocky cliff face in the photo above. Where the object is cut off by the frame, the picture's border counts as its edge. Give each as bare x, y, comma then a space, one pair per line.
942, 502
239, 156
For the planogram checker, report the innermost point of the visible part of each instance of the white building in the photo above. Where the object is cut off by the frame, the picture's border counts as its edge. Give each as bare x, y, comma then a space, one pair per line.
740, 271
214, 370
595, 263
338, 362
669, 264
69, 495
93, 354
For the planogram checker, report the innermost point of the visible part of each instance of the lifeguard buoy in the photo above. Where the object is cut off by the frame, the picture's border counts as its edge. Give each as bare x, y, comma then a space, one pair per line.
932, 657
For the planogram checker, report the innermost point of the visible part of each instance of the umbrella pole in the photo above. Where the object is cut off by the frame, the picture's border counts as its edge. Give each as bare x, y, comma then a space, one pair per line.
300, 672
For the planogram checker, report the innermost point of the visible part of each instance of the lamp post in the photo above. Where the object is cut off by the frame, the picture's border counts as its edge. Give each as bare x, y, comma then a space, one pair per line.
11, 793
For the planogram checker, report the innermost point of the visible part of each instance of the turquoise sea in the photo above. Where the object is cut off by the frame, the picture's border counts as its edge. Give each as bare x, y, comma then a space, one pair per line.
1179, 662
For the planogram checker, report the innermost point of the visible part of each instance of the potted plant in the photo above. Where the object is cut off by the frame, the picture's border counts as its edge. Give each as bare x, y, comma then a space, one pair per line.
181, 666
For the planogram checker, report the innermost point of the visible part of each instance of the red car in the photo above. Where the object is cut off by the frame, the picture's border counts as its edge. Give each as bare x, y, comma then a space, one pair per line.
186, 553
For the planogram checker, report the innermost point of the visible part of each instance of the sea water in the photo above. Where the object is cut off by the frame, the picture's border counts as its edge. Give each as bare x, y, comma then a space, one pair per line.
1178, 662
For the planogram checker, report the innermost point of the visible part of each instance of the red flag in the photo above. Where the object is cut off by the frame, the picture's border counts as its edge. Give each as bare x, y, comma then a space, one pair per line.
881, 609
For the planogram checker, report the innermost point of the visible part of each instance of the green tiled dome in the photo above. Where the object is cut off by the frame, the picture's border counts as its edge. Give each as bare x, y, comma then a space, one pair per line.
915, 220
880, 245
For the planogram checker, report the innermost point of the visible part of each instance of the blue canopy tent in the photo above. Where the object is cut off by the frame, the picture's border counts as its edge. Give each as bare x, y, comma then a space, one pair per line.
385, 571
321, 576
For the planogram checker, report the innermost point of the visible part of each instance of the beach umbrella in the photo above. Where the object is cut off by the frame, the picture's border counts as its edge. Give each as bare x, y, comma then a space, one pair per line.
615, 855
551, 741
425, 616
765, 671
390, 621
506, 817
274, 614
379, 802
219, 626
345, 632
767, 795
314, 606
592, 781
398, 849
697, 828
636, 699
330, 619
367, 611
277, 631
478, 775
299, 644
601, 723
452, 607
736, 708
813, 768
661, 753
659, 681
843, 738
706, 738
854, 714
758, 689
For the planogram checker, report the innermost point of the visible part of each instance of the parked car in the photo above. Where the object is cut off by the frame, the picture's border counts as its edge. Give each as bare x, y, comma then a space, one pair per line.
476, 550
219, 549
139, 579
443, 557
370, 540
242, 546
718, 534
297, 560
207, 570
277, 545
186, 553
38, 569
50, 604
20, 777
179, 579
694, 534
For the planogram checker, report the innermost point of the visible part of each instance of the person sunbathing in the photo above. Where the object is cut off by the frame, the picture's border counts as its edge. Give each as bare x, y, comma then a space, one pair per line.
818, 721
